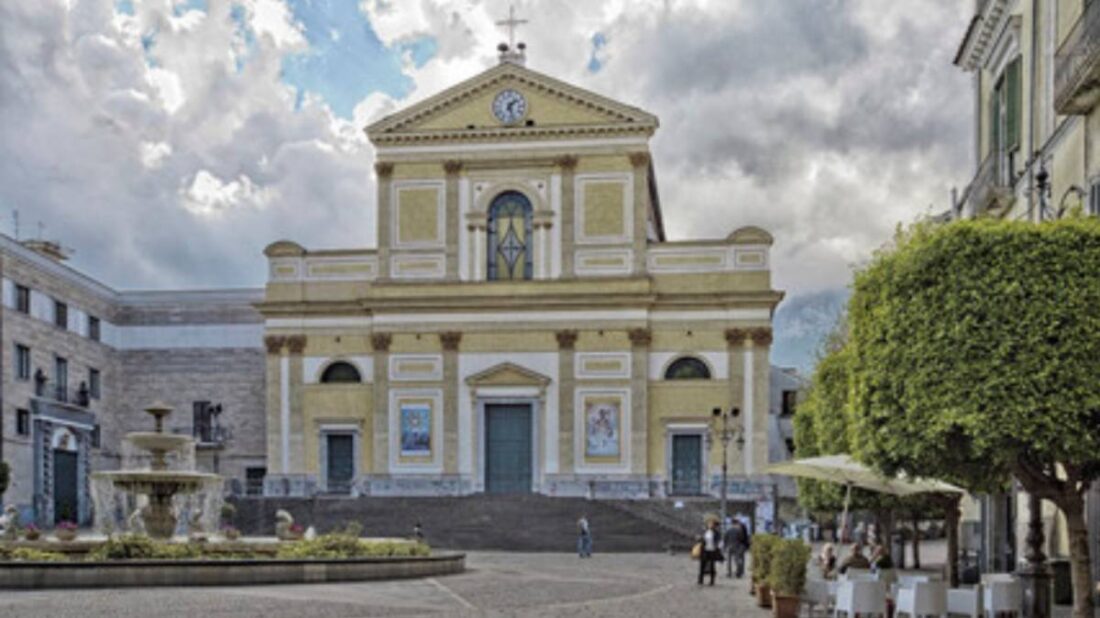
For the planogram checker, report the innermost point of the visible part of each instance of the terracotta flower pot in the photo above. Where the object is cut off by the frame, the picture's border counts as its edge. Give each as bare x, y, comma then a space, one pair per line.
232, 534
763, 595
785, 606
64, 534
32, 535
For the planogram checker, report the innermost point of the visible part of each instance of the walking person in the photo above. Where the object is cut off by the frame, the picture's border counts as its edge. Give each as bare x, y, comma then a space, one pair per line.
584, 537
712, 552
736, 542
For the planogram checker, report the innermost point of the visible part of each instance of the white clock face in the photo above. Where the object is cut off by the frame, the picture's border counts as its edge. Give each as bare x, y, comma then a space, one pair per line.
509, 106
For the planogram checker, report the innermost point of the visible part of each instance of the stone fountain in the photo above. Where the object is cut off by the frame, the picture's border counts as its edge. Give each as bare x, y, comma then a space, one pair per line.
156, 485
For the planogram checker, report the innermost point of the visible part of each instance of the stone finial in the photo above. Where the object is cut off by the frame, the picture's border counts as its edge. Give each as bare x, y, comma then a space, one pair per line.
566, 162
452, 167
380, 342
566, 339
295, 344
736, 337
640, 337
639, 159
761, 336
384, 169
274, 343
450, 340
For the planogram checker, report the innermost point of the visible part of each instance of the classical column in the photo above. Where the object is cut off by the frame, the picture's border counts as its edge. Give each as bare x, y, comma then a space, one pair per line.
295, 345
567, 339
736, 343
278, 404
476, 223
380, 343
384, 171
541, 224
760, 341
449, 342
568, 165
451, 221
640, 338
640, 162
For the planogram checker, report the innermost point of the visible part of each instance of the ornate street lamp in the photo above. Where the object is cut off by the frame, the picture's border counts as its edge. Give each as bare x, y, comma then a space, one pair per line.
727, 434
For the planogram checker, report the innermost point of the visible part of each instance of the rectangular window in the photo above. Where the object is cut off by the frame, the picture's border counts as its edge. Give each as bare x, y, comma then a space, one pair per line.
1094, 198
254, 481
1004, 122
22, 362
790, 403
93, 328
23, 422
61, 378
94, 383
22, 299
60, 314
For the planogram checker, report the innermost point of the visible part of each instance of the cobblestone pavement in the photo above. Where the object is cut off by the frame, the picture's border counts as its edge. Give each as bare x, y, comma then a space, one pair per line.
495, 584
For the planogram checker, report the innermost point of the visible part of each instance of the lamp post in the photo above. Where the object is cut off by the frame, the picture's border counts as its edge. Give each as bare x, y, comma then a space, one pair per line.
727, 435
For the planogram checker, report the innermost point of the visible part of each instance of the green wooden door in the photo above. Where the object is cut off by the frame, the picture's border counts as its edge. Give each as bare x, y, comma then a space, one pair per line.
341, 463
64, 487
687, 464
508, 449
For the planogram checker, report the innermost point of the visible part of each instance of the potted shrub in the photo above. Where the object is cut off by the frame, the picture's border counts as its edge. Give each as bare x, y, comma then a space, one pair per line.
762, 546
65, 531
787, 576
31, 532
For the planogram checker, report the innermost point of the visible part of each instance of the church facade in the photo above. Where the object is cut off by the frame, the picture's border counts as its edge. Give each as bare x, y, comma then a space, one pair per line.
523, 325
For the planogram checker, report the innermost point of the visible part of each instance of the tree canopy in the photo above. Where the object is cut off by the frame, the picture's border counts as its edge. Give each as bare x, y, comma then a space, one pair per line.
974, 352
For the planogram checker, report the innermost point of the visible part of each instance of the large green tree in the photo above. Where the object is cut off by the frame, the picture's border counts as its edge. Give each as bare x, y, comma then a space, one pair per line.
975, 350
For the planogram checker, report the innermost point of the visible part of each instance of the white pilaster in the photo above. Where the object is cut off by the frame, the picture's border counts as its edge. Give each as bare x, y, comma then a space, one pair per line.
747, 406
284, 412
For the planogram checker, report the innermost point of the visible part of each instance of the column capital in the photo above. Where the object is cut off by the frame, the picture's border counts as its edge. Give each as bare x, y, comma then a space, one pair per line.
566, 339
737, 337
295, 344
452, 167
274, 343
450, 340
640, 337
384, 169
639, 159
761, 336
380, 342
566, 162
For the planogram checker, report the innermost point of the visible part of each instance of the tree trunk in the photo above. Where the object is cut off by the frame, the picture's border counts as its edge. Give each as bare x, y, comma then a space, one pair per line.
1074, 510
951, 523
916, 542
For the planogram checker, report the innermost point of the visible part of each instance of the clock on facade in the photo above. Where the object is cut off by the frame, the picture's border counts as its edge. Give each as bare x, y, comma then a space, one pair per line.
509, 106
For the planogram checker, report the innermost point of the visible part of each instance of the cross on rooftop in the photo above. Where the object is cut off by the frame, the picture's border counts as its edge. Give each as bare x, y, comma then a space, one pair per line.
511, 24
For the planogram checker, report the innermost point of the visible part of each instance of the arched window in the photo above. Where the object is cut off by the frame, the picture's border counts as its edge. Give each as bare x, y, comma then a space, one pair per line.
340, 373
509, 237
687, 368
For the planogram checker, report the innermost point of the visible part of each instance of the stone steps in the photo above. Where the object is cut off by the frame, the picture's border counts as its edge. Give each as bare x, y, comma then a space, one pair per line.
520, 523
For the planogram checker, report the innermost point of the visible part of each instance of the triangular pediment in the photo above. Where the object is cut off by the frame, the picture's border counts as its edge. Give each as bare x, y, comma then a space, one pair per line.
464, 111
508, 374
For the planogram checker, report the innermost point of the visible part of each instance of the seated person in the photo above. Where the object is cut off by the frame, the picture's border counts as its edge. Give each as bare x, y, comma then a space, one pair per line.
826, 561
880, 558
854, 560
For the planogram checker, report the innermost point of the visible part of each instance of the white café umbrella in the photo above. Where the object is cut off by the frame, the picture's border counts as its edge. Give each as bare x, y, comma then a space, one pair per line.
846, 471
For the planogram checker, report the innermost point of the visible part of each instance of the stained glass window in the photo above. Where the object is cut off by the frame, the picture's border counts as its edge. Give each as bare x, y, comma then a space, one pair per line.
509, 237
687, 368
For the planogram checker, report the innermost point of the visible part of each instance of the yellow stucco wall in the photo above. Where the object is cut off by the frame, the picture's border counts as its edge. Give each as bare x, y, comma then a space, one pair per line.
418, 215
605, 209
344, 404
685, 402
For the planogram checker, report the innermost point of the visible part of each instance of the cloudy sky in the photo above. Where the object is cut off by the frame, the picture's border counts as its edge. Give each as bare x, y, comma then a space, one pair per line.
166, 142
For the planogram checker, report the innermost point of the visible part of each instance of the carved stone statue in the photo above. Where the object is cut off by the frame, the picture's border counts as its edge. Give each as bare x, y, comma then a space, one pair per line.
9, 521
283, 522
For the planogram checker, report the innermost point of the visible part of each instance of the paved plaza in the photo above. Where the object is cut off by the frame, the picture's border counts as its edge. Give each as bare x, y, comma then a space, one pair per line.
495, 584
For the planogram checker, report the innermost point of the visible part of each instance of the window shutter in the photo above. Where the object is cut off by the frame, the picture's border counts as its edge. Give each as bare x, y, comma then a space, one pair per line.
1013, 94
995, 120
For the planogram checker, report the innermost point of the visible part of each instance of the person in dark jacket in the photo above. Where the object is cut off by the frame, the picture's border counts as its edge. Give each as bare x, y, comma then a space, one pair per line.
736, 542
712, 551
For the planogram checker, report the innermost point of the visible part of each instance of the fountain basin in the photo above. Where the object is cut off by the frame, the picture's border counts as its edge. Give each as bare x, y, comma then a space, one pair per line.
157, 481
153, 441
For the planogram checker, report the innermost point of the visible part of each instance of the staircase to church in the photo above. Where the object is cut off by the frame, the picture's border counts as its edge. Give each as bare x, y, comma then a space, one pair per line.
484, 522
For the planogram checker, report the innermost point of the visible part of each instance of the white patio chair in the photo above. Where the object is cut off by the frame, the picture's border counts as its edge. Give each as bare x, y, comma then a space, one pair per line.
922, 599
1001, 597
816, 593
860, 598
965, 602
886, 576
997, 577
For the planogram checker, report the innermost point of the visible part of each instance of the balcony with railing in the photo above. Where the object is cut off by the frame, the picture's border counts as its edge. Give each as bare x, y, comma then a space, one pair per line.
990, 192
1077, 65
59, 392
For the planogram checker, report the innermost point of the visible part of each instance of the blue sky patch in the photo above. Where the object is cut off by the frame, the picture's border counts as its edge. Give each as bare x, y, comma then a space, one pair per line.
346, 61
126, 7
599, 41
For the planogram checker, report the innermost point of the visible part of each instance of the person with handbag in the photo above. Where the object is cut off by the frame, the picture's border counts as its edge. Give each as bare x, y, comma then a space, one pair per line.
710, 553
